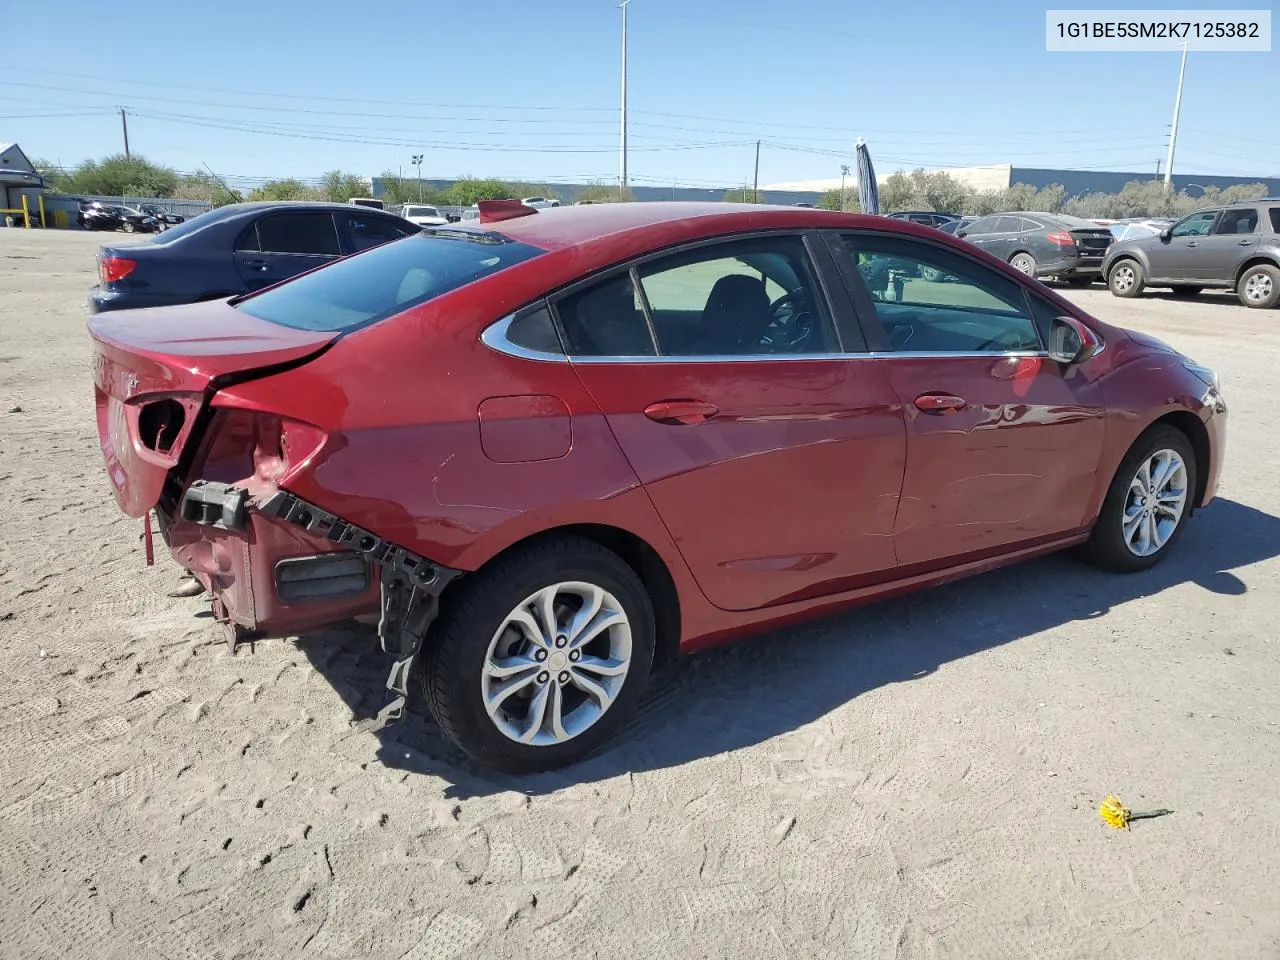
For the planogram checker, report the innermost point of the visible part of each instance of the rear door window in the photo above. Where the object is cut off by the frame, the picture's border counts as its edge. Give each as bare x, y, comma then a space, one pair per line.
304, 232
368, 230
1237, 221
1274, 213
1007, 224
386, 280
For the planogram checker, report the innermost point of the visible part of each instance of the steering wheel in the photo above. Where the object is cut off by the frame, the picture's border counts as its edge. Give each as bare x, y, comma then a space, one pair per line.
791, 322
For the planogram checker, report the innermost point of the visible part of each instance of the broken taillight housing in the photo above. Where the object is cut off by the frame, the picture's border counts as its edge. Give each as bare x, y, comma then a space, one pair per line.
111, 269
255, 450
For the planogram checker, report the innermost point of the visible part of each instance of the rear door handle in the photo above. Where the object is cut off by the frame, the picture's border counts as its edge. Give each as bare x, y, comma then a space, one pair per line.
256, 264
939, 403
681, 411
1245, 243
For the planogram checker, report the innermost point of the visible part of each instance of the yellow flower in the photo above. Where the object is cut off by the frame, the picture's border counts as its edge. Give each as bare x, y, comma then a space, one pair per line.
1114, 812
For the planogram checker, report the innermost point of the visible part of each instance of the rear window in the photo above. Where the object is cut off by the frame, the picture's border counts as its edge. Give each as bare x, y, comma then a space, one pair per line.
386, 280
180, 230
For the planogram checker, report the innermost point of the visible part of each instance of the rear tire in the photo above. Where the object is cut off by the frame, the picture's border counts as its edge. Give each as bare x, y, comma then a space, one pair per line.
1136, 527
128, 226
479, 654
1186, 290
1024, 263
1259, 286
1126, 279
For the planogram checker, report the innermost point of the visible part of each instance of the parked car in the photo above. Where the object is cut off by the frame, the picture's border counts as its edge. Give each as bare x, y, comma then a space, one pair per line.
163, 217
134, 220
1043, 244
951, 226
96, 215
424, 215
236, 249
539, 203
465, 433
1236, 246
929, 218
1127, 230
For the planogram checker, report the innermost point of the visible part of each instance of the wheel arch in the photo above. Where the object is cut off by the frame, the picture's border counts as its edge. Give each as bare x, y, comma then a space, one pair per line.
641, 557
1190, 426
1252, 262
1120, 258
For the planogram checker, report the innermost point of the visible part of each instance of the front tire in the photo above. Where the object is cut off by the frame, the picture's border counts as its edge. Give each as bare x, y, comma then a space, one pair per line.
539, 657
1147, 504
1259, 286
1126, 279
128, 226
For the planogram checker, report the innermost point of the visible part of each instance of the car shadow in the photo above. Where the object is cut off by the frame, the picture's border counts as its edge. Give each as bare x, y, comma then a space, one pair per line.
743, 694
1210, 298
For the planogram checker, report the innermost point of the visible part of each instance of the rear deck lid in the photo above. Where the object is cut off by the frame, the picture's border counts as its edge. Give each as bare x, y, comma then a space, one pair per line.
154, 369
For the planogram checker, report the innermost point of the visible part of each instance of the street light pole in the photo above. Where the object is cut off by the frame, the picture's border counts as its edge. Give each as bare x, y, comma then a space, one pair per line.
622, 158
844, 172
417, 162
1173, 132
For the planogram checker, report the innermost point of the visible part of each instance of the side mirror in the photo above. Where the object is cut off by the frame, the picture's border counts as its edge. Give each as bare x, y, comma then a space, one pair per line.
962, 233
1070, 341
1166, 234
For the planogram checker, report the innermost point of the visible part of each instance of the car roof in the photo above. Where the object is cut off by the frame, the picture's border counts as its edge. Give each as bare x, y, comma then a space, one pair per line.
659, 223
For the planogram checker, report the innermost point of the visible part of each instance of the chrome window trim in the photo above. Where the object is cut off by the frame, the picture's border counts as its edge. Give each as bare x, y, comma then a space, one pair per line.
495, 338
774, 357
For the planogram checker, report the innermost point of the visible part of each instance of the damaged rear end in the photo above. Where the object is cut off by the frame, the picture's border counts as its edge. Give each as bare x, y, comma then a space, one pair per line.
216, 477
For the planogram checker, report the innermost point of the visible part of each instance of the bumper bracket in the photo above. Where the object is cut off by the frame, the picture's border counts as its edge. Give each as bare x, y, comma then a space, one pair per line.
411, 588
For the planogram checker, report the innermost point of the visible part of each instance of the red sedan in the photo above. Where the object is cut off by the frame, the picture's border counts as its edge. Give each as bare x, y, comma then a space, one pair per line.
553, 449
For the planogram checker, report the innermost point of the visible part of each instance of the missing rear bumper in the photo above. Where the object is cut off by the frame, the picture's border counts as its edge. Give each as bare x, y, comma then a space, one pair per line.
411, 588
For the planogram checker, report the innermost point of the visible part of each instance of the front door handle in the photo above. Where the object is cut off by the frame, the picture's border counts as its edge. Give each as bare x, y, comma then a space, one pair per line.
1193, 243
256, 264
681, 411
1245, 243
939, 403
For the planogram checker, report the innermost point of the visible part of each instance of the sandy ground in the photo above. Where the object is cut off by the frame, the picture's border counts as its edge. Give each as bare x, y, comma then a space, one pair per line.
919, 779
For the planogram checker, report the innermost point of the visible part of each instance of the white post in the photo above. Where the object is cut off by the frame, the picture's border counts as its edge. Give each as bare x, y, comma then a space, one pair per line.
1173, 132
622, 159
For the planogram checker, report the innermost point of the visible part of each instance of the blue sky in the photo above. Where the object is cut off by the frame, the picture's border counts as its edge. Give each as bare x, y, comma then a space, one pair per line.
530, 90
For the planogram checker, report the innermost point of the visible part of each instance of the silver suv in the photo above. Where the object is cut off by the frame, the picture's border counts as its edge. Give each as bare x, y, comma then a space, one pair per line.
1236, 246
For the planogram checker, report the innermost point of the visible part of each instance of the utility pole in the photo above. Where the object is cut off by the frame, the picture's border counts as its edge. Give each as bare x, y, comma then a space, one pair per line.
622, 159
1157, 169
755, 189
417, 162
844, 172
1173, 132
124, 125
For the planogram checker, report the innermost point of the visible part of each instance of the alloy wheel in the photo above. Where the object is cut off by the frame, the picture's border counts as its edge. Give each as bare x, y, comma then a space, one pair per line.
1122, 277
1155, 504
1257, 287
556, 663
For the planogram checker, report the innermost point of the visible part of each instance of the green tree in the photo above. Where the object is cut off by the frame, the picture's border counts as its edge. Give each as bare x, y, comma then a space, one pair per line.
602, 193
397, 189
743, 195
340, 187
207, 188
468, 191
288, 189
119, 175
896, 193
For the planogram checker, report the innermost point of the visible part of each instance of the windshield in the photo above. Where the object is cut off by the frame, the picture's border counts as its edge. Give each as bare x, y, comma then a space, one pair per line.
421, 212
386, 280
